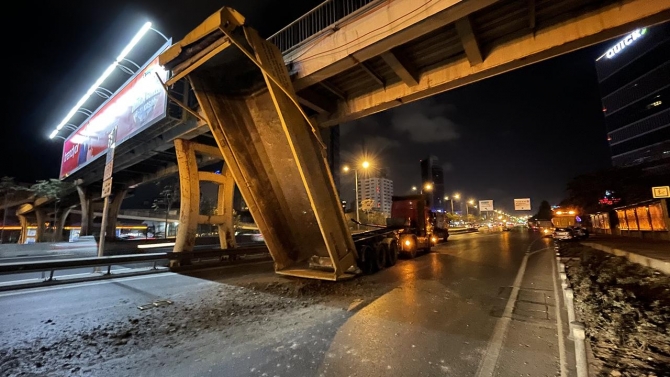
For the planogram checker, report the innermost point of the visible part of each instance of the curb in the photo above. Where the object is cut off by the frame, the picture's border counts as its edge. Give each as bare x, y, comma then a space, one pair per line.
577, 332
657, 264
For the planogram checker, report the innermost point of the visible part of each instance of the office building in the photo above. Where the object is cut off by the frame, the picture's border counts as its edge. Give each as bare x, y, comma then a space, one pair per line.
378, 189
634, 79
433, 174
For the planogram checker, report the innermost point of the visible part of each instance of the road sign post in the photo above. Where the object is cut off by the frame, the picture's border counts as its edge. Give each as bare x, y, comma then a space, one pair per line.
107, 189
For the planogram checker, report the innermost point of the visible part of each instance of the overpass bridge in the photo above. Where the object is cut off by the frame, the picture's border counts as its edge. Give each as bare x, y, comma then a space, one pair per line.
344, 60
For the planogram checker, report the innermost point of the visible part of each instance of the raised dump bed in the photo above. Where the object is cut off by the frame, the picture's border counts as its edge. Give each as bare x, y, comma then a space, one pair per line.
272, 150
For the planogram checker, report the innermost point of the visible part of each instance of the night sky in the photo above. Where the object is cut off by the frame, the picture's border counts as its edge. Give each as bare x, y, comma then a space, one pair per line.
520, 134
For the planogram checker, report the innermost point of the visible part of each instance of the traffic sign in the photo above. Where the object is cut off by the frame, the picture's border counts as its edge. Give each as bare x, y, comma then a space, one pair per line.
661, 191
486, 205
109, 167
522, 204
106, 188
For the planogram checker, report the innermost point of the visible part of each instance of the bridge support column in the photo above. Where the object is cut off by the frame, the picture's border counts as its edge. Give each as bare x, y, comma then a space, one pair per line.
189, 184
41, 224
113, 213
86, 204
60, 223
331, 137
23, 222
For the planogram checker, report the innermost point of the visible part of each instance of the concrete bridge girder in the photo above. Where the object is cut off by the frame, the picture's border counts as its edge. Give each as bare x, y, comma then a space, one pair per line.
393, 26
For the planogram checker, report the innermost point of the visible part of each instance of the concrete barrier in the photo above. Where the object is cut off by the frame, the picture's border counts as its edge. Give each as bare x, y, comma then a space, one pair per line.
657, 264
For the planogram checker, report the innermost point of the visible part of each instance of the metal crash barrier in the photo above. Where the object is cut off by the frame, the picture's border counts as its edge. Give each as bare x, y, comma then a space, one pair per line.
187, 261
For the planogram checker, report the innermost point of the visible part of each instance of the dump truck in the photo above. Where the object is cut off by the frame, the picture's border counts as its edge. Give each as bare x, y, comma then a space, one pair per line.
567, 225
273, 150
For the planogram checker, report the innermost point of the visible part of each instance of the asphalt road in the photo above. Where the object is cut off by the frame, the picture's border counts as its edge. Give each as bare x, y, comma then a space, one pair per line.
479, 305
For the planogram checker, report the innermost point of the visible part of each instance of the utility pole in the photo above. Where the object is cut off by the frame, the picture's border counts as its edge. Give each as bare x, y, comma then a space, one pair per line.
358, 220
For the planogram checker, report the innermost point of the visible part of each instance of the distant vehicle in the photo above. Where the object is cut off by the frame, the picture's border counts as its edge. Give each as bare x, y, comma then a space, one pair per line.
568, 225
545, 227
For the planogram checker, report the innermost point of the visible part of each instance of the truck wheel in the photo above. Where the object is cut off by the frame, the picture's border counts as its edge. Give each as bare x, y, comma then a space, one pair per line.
412, 253
368, 261
381, 254
392, 256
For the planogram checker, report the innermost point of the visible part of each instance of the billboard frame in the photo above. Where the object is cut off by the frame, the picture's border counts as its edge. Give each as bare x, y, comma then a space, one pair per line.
164, 47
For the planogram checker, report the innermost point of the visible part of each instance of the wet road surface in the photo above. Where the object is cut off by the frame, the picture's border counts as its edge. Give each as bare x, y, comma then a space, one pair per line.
479, 305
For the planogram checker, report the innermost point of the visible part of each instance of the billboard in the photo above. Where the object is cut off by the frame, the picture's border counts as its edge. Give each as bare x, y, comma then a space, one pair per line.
522, 204
486, 205
141, 102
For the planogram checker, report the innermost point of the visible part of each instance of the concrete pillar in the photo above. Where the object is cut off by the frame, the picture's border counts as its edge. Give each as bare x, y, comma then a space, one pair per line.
60, 224
86, 205
41, 227
224, 208
113, 213
23, 221
189, 185
331, 138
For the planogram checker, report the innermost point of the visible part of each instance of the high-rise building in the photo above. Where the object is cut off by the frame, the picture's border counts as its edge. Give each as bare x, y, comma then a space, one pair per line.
377, 188
433, 174
634, 78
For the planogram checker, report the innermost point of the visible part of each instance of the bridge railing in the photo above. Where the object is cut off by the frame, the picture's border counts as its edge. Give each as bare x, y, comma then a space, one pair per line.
325, 15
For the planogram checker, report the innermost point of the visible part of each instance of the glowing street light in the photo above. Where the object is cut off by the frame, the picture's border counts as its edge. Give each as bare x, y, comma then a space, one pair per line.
428, 187
365, 165
145, 28
414, 188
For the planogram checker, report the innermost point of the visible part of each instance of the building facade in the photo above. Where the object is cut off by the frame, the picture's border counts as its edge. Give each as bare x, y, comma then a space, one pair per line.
433, 174
634, 79
378, 189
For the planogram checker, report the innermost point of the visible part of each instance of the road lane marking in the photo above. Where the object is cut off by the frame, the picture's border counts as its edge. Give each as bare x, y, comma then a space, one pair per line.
490, 360
559, 323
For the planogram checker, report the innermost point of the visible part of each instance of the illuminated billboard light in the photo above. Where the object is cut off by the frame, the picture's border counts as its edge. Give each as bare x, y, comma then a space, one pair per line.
625, 41
102, 78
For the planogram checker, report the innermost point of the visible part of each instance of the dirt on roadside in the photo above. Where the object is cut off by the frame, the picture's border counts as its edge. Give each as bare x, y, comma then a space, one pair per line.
626, 309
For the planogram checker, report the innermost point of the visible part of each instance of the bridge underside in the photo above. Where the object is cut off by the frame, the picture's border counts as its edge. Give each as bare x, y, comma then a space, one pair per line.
406, 50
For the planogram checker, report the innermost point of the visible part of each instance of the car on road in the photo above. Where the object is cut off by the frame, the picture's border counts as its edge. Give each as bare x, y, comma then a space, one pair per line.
570, 233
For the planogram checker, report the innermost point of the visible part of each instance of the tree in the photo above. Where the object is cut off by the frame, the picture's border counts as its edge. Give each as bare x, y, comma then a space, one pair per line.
8, 188
53, 189
168, 196
629, 185
544, 212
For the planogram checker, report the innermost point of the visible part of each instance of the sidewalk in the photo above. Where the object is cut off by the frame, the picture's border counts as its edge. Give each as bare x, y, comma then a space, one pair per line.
650, 253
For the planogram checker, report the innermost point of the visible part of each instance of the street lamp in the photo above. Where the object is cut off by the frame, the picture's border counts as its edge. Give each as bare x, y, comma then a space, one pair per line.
365, 164
467, 205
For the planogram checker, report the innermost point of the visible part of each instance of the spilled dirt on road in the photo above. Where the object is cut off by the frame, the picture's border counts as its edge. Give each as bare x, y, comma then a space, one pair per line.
626, 309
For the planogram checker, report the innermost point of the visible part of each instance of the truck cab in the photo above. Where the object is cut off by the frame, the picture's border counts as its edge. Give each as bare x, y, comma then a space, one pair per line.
414, 222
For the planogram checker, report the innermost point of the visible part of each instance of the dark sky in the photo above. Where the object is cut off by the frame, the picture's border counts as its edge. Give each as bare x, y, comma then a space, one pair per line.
521, 134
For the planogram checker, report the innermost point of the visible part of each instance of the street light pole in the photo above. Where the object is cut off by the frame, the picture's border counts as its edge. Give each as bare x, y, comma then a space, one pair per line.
358, 220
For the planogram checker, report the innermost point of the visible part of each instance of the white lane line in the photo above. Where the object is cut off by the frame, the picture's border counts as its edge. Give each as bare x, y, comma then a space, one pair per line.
78, 285
490, 360
559, 323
